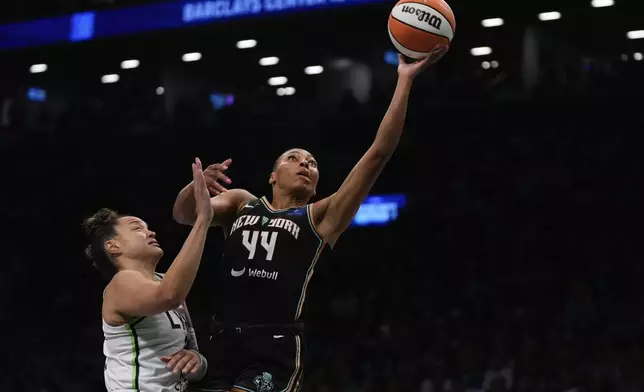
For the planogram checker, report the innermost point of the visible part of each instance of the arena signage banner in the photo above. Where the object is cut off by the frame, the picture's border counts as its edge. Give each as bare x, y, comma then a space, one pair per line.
85, 26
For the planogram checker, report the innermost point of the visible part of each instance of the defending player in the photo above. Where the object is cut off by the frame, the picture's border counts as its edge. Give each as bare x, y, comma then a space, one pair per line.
150, 345
271, 250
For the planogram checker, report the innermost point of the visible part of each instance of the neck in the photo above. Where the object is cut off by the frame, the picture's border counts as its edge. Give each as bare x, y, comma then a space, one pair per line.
283, 200
145, 267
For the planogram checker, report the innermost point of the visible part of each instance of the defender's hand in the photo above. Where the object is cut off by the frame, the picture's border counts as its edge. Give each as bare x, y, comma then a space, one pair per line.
411, 70
215, 173
203, 209
184, 361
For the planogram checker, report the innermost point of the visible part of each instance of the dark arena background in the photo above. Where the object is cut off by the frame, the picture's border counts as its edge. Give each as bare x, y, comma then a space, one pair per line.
499, 251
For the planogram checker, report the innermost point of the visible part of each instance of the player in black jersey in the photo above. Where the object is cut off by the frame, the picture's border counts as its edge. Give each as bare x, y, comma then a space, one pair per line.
271, 250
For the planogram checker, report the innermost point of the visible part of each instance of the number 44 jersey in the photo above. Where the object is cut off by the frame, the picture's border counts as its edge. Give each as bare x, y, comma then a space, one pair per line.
269, 258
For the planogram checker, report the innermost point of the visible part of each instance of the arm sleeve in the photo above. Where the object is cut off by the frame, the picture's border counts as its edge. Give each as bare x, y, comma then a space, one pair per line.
191, 344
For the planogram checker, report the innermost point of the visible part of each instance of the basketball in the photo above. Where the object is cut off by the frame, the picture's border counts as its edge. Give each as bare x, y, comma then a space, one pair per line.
417, 26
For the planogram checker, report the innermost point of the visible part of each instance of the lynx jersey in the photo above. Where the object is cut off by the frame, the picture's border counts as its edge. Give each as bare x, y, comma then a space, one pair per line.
133, 352
269, 258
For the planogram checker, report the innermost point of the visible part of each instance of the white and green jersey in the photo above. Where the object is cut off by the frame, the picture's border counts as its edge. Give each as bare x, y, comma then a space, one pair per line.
133, 352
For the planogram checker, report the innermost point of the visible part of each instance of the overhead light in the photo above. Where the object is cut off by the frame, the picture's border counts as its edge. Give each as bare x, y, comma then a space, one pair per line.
189, 57
638, 56
492, 22
246, 44
130, 64
267, 61
38, 68
602, 3
495, 64
282, 91
314, 70
481, 51
277, 80
485, 65
112, 78
635, 34
546, 16
160, 90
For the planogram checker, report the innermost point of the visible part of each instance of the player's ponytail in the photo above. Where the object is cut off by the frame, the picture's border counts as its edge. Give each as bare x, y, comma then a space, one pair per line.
99, 228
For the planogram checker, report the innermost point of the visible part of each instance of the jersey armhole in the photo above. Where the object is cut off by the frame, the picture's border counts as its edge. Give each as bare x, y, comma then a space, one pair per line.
312, 225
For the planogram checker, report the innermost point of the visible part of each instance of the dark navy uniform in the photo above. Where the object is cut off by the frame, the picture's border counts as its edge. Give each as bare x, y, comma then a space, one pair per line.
256, 336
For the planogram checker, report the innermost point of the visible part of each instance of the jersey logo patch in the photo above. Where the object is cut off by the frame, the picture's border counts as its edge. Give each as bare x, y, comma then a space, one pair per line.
264, 383
297, 212
237, 274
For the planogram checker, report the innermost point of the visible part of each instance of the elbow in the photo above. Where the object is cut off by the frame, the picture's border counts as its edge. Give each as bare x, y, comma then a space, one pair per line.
180, 217
176, 213
380, 154
171, 299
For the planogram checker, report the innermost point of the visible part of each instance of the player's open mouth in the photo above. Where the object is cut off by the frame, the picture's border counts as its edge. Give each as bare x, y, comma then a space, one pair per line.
304, 174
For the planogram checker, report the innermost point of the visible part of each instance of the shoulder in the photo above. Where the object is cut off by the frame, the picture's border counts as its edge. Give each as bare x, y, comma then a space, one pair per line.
319, 209
227, 205
124, 281
233, 199
248, 200
119, 289
240, 195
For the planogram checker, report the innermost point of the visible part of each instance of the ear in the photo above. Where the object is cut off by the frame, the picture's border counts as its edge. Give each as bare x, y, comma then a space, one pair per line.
112, 247
271, 179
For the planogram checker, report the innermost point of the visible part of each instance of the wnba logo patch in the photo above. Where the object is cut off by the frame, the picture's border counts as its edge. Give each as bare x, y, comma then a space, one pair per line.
264, 383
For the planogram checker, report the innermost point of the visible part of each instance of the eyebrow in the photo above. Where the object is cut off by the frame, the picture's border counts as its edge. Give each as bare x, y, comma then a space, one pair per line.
136, 221
310, 156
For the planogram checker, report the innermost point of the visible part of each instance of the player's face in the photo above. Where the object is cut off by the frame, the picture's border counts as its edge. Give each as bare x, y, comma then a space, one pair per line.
134, 240
297, 170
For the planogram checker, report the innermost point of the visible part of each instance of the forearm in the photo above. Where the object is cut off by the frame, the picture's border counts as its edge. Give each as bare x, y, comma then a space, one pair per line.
183, 211
179, 278
391, 127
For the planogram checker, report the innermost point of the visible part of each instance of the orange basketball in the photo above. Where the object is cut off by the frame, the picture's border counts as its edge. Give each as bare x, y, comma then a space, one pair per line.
417, 26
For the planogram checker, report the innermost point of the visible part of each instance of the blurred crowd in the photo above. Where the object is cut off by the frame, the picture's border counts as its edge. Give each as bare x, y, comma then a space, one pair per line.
516, 265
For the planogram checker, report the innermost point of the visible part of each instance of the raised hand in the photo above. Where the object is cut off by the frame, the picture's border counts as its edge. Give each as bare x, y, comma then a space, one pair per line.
411, 70
215, 173
202, 196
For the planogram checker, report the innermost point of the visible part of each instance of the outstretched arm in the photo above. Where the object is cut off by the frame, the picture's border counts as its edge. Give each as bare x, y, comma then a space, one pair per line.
131, 294
333, 215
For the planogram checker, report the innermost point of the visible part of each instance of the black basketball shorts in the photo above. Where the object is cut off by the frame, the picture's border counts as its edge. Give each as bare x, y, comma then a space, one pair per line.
255, 362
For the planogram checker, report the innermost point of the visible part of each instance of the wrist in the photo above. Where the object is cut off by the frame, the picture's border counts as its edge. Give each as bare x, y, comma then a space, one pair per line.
203, 221
405, 80
203, 367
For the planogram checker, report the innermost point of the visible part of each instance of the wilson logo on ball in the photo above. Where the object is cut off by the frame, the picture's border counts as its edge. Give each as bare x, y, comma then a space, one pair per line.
423, 16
